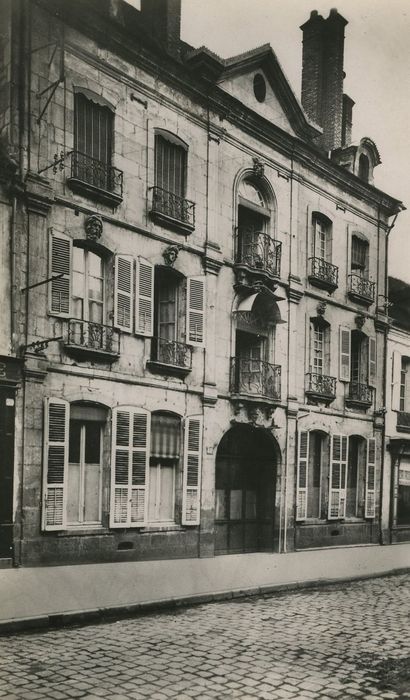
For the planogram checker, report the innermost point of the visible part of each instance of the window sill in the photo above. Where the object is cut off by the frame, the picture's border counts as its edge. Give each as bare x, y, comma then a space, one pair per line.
93, 192
322, 284
171, 527
75, 530
317, 397
169, 222
359, 299
162, 368
332, 521
93, 354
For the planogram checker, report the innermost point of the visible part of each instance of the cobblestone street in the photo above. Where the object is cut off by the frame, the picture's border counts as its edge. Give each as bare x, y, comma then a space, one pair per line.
342, 641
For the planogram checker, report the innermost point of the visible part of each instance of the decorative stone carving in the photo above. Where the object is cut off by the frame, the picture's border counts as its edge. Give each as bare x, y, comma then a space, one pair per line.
321, 308
170, 254
258, 167
94, 227
359, 320
259, 414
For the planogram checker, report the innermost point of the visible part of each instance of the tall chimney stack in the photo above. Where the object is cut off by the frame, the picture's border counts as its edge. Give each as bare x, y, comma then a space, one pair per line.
162, 19
322, 76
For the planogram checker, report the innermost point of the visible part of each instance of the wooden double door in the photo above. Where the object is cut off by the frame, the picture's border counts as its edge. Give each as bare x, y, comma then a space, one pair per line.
245, 492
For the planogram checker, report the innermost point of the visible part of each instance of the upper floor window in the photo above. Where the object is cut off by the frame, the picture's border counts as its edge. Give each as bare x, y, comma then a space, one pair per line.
169, 194
404, 405
357, 365
88, 285
92, 172
360, 257
322, 237
321, 272
320, 386
364, 167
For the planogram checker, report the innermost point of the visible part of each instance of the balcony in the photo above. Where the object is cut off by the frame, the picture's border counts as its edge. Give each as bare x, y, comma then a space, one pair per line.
170, 357
95, 179
255, 378
170, 210
258, 252
86, 339
359, 395
320, 387
323, 274
403, 422
361, 290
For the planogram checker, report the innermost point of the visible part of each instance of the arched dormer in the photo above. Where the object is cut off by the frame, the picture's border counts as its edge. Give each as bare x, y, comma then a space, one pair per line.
360, 159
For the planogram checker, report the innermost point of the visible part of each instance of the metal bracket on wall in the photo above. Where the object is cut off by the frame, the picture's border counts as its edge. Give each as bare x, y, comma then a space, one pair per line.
38, 284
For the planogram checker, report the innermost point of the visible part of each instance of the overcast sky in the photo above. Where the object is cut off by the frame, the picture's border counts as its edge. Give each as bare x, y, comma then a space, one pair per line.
377, 66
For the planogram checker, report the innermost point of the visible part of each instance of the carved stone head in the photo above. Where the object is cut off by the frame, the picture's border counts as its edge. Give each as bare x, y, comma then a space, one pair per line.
94, 227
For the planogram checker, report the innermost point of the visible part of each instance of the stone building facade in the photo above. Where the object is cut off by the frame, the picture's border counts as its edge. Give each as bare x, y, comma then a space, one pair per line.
396, 479
197, 283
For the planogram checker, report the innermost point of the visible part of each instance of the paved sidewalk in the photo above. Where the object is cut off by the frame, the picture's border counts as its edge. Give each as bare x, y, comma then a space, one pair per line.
35, 595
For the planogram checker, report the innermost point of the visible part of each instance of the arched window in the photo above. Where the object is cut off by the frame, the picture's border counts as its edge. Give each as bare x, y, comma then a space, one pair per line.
164, 472
364, 167
255, 247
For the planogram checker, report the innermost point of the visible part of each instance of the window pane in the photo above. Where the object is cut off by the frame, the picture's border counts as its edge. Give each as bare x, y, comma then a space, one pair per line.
74, 441
161, 493
221, 509
314, 474
91, 493
73, 493
250, 509
236, 505
92, 452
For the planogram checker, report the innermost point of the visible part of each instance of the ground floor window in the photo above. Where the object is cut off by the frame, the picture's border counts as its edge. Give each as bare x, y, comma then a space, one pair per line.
403, 500
164, 472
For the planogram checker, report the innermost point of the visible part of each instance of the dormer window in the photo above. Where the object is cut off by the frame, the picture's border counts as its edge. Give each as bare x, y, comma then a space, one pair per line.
364, 167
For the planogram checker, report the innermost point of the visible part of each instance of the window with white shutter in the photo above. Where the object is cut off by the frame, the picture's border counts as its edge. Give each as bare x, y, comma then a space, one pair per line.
144, 298
191, 499
372, 362
337, 477
196, 310
60, 254
370, 495
344, 354
129, 466
56, 429
302, 475
123, 285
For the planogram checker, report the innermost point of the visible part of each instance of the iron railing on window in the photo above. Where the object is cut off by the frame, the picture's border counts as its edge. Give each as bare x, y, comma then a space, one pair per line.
96, 173
169, 352
258, 251
324, 271
403, 421
256, 378
321, 384
93, 336
363, 393
172, 205
361, 287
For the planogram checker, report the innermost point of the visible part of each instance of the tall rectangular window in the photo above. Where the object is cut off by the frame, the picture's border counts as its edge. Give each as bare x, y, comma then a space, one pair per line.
359, 260
164, 461
170, 166
93, 142
317, 350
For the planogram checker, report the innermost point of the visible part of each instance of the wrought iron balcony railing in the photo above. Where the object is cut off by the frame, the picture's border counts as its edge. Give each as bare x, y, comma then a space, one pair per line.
89, 337
255, 378
173, 206
321, 385
360, 393
323, 273
169, 352
96, 173
258, 251
361, 288
403, 422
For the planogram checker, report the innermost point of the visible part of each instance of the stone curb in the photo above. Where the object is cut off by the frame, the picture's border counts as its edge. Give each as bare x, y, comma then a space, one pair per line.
105, 614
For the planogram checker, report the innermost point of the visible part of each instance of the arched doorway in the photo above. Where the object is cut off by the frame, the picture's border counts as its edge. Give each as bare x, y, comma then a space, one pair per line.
244, 491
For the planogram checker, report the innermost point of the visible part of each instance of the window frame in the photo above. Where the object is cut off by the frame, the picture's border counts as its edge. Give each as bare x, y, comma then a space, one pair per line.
87, 252
84, 524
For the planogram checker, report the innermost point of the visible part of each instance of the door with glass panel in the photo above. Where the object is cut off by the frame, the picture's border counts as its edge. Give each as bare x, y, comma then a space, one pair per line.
84, 471
88, 298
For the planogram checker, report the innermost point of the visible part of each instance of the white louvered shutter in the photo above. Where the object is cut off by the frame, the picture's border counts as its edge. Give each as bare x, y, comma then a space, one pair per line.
372, 362
56, 435
370, 502
302, 476
123, 285
60, 255
396, 381
144, 298
129, 467
196, 310
191, 499
344, 354
338, 477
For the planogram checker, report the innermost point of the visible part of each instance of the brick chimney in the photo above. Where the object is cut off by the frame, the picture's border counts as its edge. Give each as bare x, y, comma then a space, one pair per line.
162, 18
322, 77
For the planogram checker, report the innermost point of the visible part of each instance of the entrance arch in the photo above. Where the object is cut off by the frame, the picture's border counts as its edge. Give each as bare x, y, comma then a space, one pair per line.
245, 478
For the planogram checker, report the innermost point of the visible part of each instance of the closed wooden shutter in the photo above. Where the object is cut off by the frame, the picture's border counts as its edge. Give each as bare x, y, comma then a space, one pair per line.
196, 310
370, 497
56, 435
344, 354
192, 471
123, 285
372, 362
396, 380
302, 476
144, 298
60, 256
338, 477
129, 466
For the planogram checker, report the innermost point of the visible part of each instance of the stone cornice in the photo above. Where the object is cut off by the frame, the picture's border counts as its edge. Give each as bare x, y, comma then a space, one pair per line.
39, 194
